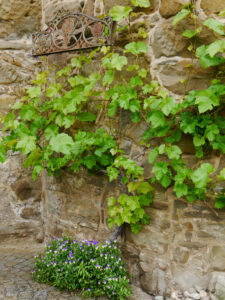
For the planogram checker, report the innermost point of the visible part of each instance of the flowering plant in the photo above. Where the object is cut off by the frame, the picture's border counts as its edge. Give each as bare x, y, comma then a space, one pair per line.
93, 268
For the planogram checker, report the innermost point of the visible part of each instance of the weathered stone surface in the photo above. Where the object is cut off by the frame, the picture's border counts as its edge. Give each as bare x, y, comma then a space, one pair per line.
170, 8
181, 255
173, 74
218, 258
167, 40
22, 44
56, 8
139, 294
70, 210
19, 18
210, 7
17, 67
187, 277
14, 200
156, 282
217, 284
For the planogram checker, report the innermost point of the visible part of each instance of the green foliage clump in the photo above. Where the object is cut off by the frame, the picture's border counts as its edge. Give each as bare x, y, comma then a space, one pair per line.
92, 268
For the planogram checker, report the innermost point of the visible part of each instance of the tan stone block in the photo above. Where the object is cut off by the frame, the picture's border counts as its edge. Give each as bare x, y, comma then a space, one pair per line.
170, 8
19, 17
6, 101
214, 6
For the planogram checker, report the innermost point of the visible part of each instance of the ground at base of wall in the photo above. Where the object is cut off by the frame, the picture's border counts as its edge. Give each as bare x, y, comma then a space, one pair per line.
16, 264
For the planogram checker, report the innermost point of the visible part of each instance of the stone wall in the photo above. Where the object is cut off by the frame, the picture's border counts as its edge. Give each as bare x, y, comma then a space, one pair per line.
21, 205
184, 245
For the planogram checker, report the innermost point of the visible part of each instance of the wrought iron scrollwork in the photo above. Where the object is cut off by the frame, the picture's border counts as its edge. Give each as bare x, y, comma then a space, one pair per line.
73, 32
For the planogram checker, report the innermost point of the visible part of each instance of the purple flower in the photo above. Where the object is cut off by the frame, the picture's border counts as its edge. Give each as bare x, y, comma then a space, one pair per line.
97, 266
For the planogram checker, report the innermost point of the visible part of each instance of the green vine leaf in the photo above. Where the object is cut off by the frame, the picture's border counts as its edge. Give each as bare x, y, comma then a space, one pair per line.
26, 144
216, 47
135, 81
34, 92
167, 105
108, 77
28, 113
211, 132
153, 155
136, 48
141, 3
144, 188
215, 25
206, 100
115, 62
118, 12
222, 13
198, 140
222, 174
86, 117
180, 189
113, 173
62, 143
173, 152
76, 62
191, 33
51, 131
3, 154
220, 201
157, 119
206, 60
66, 121
200, 177
162, 173
53, 90
181, 15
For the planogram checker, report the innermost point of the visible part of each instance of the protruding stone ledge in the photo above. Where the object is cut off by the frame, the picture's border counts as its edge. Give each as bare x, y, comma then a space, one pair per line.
15, 45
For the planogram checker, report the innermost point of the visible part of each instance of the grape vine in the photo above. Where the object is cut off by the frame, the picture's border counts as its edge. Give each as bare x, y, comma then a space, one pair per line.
69, 121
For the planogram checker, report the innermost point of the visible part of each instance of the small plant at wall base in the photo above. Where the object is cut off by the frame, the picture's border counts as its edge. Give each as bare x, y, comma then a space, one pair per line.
72, 121
90, 267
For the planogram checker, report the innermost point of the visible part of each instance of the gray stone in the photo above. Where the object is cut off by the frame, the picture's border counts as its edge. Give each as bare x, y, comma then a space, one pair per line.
159, 298
173, 71
40, 295
137, 293
203, 294
195, 296
167, 40
19, 17
218, 258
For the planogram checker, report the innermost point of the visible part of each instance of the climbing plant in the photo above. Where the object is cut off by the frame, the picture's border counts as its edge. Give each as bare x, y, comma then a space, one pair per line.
71, 121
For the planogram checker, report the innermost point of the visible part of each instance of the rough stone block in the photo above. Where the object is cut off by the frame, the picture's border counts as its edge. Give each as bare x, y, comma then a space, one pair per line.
19, 18
214, 6
170, 8
218, 258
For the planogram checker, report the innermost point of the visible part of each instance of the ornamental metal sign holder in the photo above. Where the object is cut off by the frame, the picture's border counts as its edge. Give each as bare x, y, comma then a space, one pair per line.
73, 32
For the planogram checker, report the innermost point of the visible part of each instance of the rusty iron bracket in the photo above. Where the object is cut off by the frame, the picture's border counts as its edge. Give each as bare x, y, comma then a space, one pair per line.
73, 32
